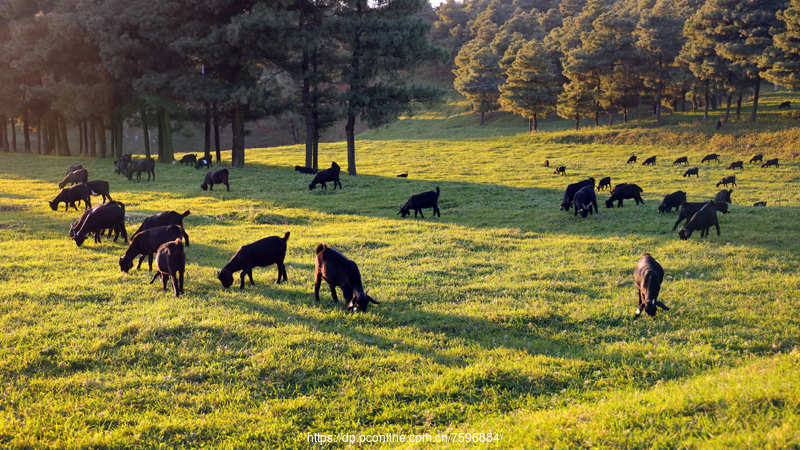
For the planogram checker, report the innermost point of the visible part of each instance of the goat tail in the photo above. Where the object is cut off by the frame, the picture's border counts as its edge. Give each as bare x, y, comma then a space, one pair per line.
286, 237
186, 213
320, 247
437, 190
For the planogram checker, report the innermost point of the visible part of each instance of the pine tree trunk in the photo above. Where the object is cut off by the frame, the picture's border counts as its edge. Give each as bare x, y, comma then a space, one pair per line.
207, 136
577, 121
26, 131
728, 107
100, 132
55, 125
658, 103
160, 122
14, 135
237, 125
215, 119
168, 155
683, 100
92, 143
315, 139
535, 123
756, 91
739, 107
705, 98
482, 115
4, 132
530, 125
351, 143
148, 153
39, 135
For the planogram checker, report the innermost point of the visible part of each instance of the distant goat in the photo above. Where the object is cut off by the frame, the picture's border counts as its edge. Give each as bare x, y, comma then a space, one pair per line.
688, 209
146, 243
189, 160
147, 165
121, 164
623, 191
418, 202
736, 165
786, 104
71, 195
719, 124
604, 183
547, 163
262, 253
723, 196
727, 180
403, 175
757, 158
108, 216
74, 177
163, 219
572, 189
673, 200
216, 177
171, 263
710, 157
760, 204
560, 170
693, 171
302, 169
649, 161
647, 278
702, 220
771, 162
99, 187
584, 200
632, 159
202, 162
327, 176
681, 160
337, 270
74, 168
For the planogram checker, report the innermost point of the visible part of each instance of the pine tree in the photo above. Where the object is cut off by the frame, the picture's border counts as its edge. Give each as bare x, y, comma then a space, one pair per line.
531, 88
785, 54
478, 75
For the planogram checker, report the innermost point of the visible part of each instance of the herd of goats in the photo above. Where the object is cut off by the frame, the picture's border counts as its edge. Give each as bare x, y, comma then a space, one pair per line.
163, 234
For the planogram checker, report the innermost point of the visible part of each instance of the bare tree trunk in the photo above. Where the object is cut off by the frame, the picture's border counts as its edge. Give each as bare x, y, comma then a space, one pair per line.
757, 90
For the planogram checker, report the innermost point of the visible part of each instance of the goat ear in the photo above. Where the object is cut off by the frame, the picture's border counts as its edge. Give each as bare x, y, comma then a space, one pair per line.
662, 306
372, 300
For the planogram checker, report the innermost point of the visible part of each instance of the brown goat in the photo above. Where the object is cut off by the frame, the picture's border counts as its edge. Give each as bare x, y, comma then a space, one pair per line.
74, 177
647, 278
171, 263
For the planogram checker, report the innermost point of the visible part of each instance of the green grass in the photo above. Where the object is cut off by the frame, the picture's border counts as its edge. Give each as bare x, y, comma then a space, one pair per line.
505, 315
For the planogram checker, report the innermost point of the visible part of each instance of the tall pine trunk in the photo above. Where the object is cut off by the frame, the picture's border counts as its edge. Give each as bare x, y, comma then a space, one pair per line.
14, 135
215, 119
148, 152
4, 132
100, 132
351, 143
237, 127
92, 141
757, 90
207, 133
728, 102
26, 131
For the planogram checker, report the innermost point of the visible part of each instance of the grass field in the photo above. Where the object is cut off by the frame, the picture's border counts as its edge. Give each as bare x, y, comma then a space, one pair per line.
505, 318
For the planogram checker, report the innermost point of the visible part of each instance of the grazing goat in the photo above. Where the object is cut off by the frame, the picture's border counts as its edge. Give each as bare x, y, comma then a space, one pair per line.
326, 176
572, 189
723, 196
74, 177
736, 165
710, 157
757, 158
73, 230
417, 202
147, 165
262, 253
702, 220
547, 163
688, 209
337, 270
584, 200
302, 169
727, 180
760, 204
163, 219
216, 177
71, 195
786, 104
189, 160
74, 168
202, 162
673, 200
649, 161
681, 160
560, 170
632, 159
647, 278
145, 243
604, 183
771, 162
170, 263
108, 216
403, 175
121, 164
693, 171
99, 187
623, 191
719, 124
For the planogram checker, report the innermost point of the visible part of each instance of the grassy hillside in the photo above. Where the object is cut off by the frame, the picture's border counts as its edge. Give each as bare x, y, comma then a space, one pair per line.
505, 316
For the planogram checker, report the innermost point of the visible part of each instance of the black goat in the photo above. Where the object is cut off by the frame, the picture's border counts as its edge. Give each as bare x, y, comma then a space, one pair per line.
771, 162
108, 216
688, 209
145, 243
760, 204
547, 163
727, 180
673, 200
262, 253
604, 183
702, 220
216, 177
623, 191
723, 196
757, 158
417, 202
562, 170
693, 171
584, 200
147, 165
202, 162
681, 160
403, 175
632, 159
647, 277
337, 270
71, 195
649, 161
572, 189
326, 176
302, 169
74, 177
786, 104
736, 165
189, 159
73, 230
99, 187
163, 219
121, 164
74, 168
170, 263
710, 157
